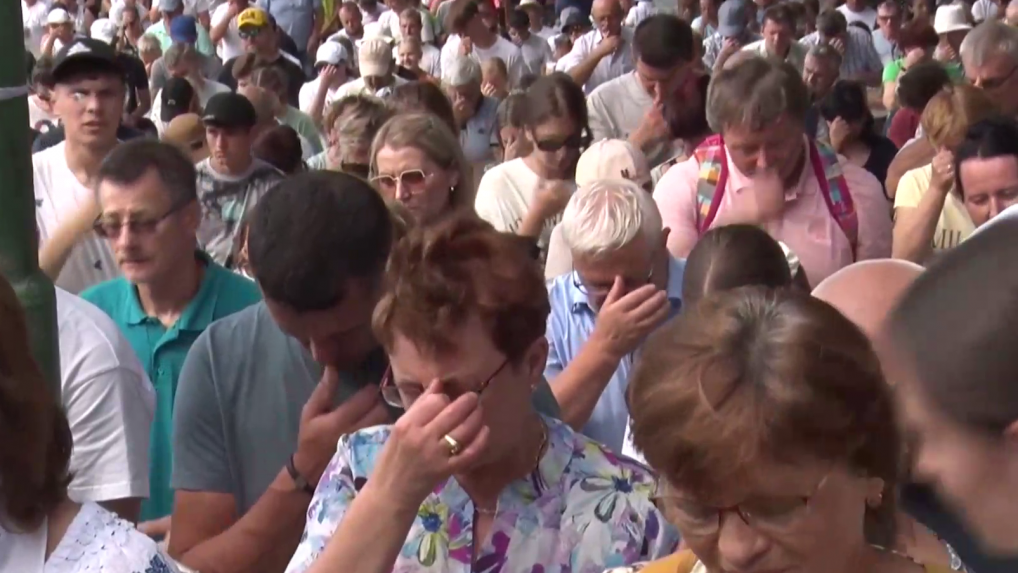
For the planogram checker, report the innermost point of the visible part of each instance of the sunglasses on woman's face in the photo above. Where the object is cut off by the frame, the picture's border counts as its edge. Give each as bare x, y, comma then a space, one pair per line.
575, 141
411, 179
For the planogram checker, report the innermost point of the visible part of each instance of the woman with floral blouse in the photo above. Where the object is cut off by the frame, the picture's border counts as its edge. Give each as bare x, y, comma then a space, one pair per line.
472, 478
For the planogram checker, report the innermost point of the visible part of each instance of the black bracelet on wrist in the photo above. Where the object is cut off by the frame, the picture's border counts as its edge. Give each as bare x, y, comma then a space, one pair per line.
298, 480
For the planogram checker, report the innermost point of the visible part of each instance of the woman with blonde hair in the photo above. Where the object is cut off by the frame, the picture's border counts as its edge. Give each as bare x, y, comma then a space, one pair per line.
417, 161
929, 214
350, 125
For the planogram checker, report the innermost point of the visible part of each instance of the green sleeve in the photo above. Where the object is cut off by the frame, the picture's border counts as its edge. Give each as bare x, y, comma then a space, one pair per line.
892, 70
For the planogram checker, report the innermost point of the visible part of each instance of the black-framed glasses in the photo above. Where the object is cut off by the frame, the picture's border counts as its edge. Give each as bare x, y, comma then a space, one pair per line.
405, 396
110, 228
775, 515
588, 288
411, 179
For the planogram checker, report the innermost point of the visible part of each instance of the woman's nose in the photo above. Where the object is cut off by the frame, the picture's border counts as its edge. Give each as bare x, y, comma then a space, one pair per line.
740, 546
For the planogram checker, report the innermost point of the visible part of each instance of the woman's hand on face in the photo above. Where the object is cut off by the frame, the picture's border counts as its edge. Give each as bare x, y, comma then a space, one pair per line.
419, 455
839, 131
943, 172
551, 197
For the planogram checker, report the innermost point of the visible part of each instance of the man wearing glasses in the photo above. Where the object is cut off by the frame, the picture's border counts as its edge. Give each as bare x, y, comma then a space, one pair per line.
169, 292
260, 37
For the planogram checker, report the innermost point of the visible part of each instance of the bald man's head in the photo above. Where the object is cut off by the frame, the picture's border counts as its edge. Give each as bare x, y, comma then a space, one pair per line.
866, 292
607, 16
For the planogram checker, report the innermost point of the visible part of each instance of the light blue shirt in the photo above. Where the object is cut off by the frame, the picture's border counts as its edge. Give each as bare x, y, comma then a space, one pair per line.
570, 324
295, 17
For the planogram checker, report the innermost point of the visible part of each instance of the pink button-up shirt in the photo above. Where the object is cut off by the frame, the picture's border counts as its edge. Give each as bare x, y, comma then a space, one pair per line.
806, 225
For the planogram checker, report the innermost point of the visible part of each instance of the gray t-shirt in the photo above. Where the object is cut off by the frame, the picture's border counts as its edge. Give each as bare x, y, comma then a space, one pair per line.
238, 404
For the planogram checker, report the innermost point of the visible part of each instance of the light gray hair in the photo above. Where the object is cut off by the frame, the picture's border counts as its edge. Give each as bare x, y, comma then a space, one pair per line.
462, 71
149, 44
413, 13
607, 215
179, 53
825, 52
989, 40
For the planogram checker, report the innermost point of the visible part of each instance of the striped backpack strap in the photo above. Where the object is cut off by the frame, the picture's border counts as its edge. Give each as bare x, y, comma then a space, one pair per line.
710, 185
835, 190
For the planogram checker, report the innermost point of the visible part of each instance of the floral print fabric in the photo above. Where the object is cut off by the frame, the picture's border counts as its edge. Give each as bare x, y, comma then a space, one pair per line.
584, 510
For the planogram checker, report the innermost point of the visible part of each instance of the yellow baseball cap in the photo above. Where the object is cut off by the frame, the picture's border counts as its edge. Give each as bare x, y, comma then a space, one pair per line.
255, 17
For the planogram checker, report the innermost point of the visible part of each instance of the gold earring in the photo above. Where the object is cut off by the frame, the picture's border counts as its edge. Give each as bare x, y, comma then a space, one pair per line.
875, 501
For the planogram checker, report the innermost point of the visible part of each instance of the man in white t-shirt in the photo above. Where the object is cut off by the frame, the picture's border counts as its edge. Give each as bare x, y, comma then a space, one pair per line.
224, 32
630, 107
390, 22
472, 37
33, 22
411, 25
534, 48
332, 64
859, 11
110, 404
603, 53
89, 98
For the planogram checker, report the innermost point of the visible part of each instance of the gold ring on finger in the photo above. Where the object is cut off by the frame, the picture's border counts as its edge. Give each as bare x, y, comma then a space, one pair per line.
454, 447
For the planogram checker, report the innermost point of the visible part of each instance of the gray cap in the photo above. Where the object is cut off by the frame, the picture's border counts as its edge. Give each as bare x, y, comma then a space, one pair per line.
733, 17
571, 16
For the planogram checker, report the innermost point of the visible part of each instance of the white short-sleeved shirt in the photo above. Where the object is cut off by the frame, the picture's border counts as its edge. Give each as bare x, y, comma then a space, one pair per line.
58, 193
231, 46
609, 68
536, 54
388, 21
431, 59
109, 401
308, 92
867, 16
617, 108
507, 51
504, 196
640, 12
33, 20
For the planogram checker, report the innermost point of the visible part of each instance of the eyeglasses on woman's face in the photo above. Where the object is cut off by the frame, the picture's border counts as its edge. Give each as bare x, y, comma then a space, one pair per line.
413, 180
771, 515
404, 395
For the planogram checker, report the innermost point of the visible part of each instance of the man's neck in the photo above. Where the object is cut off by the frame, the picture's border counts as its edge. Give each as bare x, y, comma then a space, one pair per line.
166, 300
792, 181
484, 39
84, 160
781, 56
270, 55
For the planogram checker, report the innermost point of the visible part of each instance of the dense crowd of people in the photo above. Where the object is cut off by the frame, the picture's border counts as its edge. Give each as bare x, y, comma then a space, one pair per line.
591, 286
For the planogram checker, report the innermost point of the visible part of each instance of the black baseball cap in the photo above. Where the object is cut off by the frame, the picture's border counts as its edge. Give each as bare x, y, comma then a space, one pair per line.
229, 109
175, 99
85, 55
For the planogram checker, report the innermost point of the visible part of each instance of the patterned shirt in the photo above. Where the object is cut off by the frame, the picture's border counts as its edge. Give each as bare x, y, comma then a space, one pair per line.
712, 47
585, 509
860, 55
225, 200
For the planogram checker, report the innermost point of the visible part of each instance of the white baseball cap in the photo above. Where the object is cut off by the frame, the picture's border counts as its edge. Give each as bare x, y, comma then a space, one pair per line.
58, 16
612, 159
104, 30
375, 57
331, 53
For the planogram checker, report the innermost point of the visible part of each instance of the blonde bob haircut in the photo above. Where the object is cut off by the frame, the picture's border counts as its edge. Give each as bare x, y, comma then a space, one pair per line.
950, 113
429, 134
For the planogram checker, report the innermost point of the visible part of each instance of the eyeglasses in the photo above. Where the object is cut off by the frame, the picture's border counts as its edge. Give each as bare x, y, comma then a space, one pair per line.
776, 515
994, 84
602, 290
249, 33
404, 397
109, 228
411, 179
361, 170
575, 141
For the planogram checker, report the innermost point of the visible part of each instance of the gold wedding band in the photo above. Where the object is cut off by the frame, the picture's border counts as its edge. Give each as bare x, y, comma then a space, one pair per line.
454, 447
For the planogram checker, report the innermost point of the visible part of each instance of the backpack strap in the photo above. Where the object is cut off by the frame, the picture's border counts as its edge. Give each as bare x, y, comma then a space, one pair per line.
835, 191
710, 185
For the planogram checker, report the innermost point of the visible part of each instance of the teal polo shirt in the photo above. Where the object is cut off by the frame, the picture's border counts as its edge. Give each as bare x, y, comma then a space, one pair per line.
162, 351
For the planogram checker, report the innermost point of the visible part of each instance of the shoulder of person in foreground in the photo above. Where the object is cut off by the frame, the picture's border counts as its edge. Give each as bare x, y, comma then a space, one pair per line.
680, 562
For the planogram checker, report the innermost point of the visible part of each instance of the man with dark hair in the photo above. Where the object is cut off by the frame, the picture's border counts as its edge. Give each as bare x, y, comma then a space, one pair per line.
88, 96
778, 41
859, 59
631, 106
169, 292
473, 38
536, 51
915, 89
265, 394
232, 180
261, 39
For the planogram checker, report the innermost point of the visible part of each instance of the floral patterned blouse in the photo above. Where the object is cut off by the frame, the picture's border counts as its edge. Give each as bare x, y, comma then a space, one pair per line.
584, 510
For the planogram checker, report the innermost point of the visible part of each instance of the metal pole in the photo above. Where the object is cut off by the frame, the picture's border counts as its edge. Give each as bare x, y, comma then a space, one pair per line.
19, 243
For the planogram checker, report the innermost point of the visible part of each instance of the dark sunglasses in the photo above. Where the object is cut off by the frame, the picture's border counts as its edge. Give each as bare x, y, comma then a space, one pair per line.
249, 33
575, 141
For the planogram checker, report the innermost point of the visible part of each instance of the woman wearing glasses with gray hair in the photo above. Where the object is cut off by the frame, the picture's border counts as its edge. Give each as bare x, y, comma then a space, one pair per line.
471, 477
767, 418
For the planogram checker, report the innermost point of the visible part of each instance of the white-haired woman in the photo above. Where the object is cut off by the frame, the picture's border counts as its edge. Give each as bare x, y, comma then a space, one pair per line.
623, 285
476, 115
